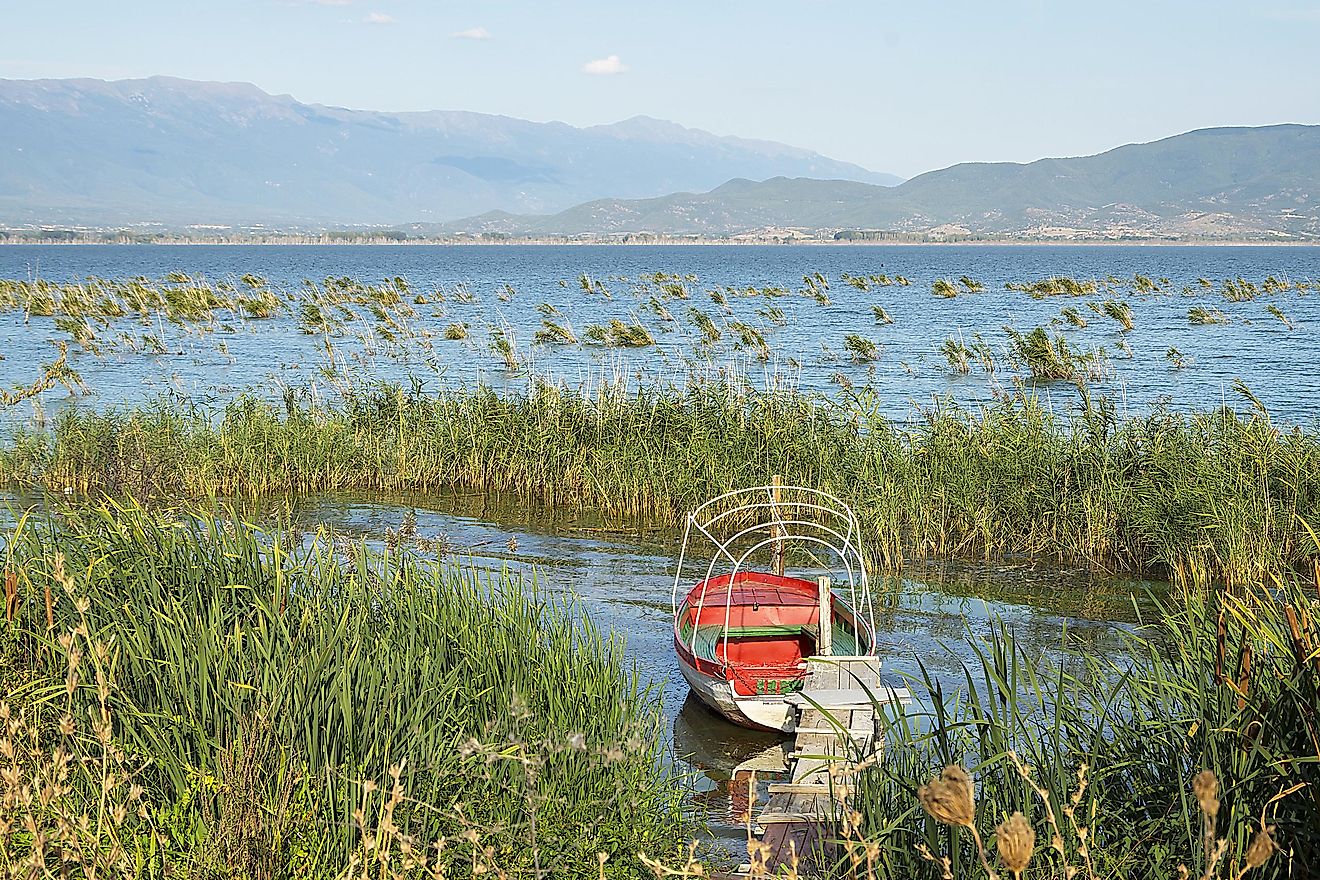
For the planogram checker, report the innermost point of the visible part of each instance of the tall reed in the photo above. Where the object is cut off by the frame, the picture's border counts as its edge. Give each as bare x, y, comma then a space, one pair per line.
502, 709
1205, 497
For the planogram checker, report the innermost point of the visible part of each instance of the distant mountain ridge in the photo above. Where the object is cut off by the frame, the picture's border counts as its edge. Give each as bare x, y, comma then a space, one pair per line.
1220, 182
85, 151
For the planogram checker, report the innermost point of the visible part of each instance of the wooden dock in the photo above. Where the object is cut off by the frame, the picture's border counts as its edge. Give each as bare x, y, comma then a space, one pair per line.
836, 726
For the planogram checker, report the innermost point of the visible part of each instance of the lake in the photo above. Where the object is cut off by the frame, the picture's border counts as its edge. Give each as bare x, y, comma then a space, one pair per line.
509, 291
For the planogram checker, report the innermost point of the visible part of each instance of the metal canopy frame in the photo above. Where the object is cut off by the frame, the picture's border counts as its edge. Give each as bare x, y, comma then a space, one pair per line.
790, 514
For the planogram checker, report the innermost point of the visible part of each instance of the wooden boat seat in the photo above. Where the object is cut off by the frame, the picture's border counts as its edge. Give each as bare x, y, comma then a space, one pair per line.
710, 638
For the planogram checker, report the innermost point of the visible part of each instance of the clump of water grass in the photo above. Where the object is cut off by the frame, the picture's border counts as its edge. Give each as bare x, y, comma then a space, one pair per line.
750, 338
1058, 285
943, 287
1202, 315
1073, 317
1176, 358
881, 316
710, 334
860, 349
552, 333
1283, 318
619, 334
456, 330
1050, 357
957, 355
503, 344
1120, 312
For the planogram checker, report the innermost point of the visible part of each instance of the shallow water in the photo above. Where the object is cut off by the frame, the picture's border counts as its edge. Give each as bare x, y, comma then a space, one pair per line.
623, 577
212, 364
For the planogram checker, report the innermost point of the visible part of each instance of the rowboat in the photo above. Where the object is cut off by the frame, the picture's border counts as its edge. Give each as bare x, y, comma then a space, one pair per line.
744, 629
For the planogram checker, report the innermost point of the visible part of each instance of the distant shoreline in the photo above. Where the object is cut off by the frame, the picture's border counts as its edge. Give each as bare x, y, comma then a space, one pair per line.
313, 241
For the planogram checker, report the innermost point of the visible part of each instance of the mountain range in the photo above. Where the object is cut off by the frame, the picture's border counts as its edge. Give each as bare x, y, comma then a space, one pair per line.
84, 151
178, 152
1220, 182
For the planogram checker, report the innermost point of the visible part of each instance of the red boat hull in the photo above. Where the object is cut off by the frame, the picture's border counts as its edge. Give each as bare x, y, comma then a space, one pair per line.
742, 642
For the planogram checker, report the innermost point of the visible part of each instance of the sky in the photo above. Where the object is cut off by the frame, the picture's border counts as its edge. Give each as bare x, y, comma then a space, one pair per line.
896, 87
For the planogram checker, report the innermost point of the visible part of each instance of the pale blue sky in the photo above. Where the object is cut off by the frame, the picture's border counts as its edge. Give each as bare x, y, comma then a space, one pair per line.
895, 87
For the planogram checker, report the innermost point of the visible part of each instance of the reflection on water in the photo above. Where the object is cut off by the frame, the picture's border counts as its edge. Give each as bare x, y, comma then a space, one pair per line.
726, 761
621, 574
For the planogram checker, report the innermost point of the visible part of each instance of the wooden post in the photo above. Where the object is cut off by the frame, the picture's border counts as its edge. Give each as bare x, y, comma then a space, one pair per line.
778, 548
825, 643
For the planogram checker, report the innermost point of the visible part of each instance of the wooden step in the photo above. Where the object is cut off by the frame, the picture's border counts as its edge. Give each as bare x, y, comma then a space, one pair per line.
803, 788
850, 698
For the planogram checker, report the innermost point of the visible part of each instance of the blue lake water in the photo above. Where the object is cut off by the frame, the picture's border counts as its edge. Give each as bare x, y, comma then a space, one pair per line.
806, 342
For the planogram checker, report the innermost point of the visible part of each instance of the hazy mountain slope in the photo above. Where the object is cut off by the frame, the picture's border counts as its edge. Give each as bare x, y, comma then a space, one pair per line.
1223, 180
178, 151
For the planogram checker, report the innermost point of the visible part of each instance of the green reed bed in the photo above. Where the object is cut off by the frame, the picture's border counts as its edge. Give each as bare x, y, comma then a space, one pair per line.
311, 707
1198, 497
1224, 682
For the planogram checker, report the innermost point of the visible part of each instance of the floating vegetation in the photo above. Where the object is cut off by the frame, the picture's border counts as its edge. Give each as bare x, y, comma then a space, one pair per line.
1278, 313
1242, 290
1119, 311
591, 285
1053, 286
1145, 284
1073, 317
957, 355
1202, 315
710, 334
457, 330
944, 288
749, 337
860, 349
619, 334
1176, 358
659, 309
972, 285
57, 372
503, 344
881, 316
1051, 357
554, 334
262, 305
774, 315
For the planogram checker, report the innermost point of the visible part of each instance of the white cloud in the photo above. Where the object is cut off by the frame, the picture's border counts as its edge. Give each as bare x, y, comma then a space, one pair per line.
605, 66
476, 33
378, 18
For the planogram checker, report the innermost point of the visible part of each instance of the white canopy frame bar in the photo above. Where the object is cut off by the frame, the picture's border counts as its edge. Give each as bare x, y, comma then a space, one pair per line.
791, 514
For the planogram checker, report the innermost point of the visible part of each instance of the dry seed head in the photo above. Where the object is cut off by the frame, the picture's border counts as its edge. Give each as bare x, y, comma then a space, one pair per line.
1205, 785
1017, 841
949, 797
1262, 846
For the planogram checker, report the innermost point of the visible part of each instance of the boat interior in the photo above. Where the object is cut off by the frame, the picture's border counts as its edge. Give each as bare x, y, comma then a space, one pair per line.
773, 625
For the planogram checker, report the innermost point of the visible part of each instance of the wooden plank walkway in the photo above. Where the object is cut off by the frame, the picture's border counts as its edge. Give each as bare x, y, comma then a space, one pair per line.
836, 727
